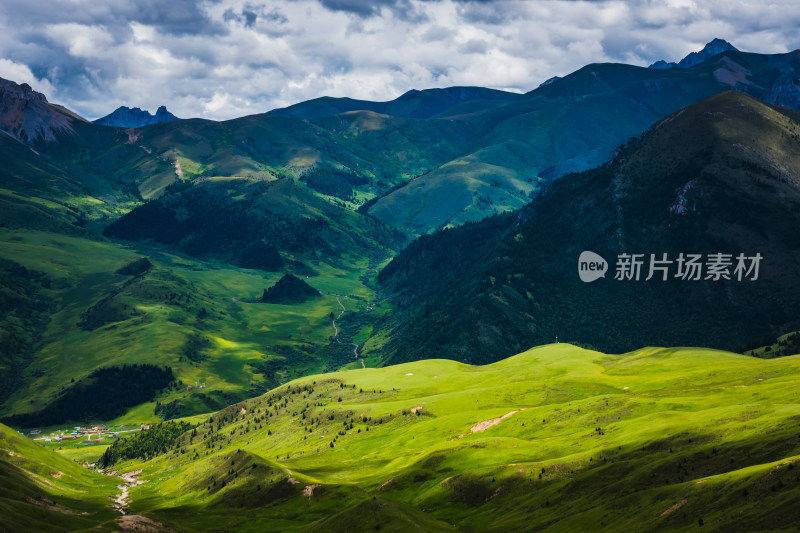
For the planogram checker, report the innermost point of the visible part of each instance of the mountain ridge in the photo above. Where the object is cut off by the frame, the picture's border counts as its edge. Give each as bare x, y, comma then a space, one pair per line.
424, 103
569, 125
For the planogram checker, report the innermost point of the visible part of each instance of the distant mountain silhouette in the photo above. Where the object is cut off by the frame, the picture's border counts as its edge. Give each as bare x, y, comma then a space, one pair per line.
125, 117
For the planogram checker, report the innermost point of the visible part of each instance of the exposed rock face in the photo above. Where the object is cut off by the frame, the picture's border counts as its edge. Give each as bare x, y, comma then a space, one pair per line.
28, 117
125, 117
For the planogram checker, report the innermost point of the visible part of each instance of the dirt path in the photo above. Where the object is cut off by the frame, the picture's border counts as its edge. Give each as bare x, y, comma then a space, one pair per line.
141, 524
336, 334
486, 424
178, 169
674, 507
123, 500
133, 522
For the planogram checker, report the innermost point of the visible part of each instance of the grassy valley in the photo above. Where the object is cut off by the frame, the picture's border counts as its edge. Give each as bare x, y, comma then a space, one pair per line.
203, 320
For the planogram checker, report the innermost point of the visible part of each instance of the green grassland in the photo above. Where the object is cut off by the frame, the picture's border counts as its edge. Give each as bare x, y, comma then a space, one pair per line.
200, 318
572, 440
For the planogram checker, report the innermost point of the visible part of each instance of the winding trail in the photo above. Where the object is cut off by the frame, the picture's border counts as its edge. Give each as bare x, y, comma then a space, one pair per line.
133, 522
336, 334
122, 501
121, 504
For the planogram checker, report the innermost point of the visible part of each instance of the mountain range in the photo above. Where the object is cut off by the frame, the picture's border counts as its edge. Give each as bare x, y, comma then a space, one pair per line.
329, 190
463, 153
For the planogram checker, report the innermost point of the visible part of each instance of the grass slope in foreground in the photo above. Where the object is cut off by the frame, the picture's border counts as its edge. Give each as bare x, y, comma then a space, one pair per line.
42, 491
555, 439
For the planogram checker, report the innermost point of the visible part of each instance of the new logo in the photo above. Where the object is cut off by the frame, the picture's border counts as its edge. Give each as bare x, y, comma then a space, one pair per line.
591, 267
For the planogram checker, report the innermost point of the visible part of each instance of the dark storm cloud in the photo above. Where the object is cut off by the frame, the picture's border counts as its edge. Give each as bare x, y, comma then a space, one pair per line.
250, 18
402, 8
249, 15
490, 11
364, 9
179, 17
405, 10
173, 16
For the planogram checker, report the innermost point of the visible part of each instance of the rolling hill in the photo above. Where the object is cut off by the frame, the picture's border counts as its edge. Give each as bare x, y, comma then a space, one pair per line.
256, 224
555, 439
720, 176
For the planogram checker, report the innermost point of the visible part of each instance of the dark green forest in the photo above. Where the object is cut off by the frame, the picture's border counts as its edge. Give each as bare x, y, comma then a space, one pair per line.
144, 444
103, 395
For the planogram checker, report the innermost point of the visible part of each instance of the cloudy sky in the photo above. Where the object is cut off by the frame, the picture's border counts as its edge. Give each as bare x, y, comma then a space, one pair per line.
221, 59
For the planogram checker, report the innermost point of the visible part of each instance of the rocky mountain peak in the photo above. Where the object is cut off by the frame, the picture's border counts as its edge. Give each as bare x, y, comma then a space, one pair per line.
712, 48
27, 116
126, 117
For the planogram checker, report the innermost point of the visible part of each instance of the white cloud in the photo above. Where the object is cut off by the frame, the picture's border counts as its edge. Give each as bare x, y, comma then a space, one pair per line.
217, 103
80, 39
225, 58
20, 73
